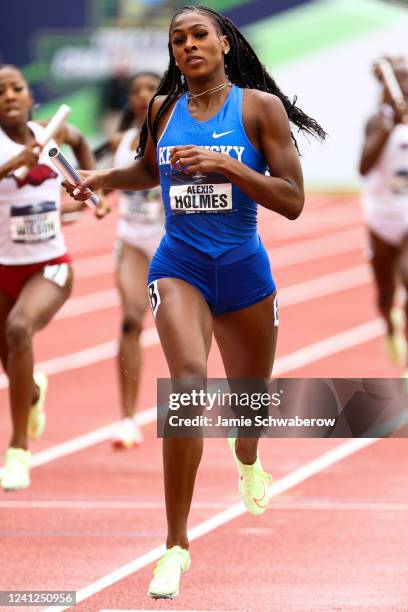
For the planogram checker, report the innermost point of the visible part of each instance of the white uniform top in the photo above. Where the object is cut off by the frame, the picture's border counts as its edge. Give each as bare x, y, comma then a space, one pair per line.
385, 192
30, 226
141, 213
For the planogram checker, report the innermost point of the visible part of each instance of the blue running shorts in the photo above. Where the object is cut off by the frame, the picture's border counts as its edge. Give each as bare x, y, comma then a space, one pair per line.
236, 280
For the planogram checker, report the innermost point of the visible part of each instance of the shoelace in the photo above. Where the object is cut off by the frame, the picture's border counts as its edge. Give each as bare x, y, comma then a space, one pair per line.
248, 470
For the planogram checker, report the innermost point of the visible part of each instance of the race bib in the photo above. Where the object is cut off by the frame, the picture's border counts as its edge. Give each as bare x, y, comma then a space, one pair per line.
34, 222
205, 193
399, 183
143, 206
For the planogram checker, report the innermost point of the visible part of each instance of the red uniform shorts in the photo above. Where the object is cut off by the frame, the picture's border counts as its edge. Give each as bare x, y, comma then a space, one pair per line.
12, 278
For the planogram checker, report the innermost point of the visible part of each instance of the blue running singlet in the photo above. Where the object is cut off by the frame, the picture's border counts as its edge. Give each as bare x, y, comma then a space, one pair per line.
225, 217
211, 238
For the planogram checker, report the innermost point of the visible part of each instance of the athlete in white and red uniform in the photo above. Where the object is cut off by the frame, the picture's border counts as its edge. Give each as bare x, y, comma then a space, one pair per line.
35, 268
384, 165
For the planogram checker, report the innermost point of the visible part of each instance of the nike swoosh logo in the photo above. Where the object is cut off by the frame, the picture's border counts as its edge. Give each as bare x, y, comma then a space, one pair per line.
215, 135
260, 499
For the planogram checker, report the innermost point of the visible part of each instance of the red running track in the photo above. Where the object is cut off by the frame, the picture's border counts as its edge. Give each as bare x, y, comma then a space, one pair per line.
335, 536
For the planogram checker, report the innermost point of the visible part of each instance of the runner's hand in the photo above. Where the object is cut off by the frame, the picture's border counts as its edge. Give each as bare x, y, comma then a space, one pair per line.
93, 182
191, 159
28, 157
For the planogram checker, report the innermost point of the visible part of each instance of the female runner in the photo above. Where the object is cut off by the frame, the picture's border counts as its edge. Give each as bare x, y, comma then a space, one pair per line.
35, 268
218, 122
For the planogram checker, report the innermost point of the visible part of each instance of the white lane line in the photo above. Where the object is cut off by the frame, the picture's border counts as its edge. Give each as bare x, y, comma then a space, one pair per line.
293, 479
90, 302
307, 354
74, 445
103, 505
315, 222
324, 285
288, 296
329, 346
342, 505
92, 266
295, 252
297, 359
317, 248
281, 504
89, 356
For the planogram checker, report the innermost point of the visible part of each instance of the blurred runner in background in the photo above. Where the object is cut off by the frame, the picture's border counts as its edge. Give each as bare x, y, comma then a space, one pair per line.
140, 228
384, 165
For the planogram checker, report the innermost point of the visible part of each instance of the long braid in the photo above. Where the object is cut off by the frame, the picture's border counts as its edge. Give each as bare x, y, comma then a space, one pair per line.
172, 85
243, 69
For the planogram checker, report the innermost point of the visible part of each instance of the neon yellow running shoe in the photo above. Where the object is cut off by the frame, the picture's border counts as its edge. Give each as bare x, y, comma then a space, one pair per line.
396, 343
167, 573
253, 483
16, 472
37, 416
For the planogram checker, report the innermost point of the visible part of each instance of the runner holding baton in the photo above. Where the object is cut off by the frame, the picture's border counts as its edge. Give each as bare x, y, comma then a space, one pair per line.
70, 174
49, 132
385, 72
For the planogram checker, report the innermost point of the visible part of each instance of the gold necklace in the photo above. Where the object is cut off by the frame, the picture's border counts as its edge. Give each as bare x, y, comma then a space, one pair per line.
191, 96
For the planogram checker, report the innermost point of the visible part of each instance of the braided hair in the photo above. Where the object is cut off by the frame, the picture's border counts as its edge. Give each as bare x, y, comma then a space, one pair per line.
244, 69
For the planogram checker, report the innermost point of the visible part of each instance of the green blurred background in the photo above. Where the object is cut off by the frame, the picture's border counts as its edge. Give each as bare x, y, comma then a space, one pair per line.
81, 52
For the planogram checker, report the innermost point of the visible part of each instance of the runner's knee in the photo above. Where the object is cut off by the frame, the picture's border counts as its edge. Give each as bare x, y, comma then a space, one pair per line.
132, 322
190, 371
18, 332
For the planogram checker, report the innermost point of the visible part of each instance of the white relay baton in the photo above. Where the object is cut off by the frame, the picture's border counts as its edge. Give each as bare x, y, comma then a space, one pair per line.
69, 173
390, 80
49, 132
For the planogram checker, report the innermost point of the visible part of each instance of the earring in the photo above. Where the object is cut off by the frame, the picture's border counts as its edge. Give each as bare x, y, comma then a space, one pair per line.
225, 52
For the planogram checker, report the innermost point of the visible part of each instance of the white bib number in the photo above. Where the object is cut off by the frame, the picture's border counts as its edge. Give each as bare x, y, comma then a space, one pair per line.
34, 222
154, 297
143, 206
399, 183
204, 193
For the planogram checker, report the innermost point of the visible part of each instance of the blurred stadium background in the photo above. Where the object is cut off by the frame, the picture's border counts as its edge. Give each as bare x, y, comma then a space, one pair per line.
319, 50
92, 519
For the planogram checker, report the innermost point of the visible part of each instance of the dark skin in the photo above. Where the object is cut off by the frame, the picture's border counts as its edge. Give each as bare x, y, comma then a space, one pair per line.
131, 273
39, 299
389, 262
246, 338
379, 128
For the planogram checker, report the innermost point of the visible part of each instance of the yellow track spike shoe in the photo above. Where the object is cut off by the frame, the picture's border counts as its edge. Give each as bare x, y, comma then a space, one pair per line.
16, 472
396, 343
253, 483
37, 416
167, 573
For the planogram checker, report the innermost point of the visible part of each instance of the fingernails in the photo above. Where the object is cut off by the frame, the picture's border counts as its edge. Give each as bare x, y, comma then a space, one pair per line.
76, 191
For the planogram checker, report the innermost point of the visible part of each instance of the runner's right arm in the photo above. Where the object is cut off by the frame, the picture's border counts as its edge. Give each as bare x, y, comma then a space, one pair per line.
142, 174
27, 157
377, 133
